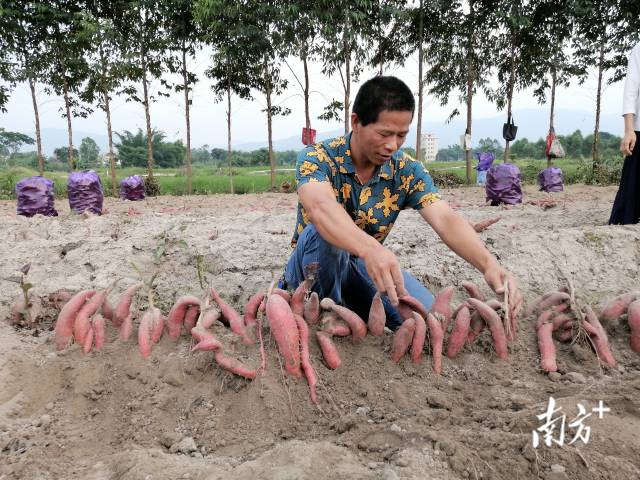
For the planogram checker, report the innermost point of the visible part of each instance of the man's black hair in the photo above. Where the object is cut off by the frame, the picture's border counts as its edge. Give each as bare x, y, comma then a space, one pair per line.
382, 93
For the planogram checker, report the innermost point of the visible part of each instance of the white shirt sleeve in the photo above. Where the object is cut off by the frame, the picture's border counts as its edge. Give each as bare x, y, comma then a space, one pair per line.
631, 96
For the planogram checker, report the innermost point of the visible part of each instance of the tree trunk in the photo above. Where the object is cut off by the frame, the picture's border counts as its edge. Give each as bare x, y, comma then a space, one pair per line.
32, 87
186, 114
553, 106
145, 89
67, 106
510, 96
307, 116
107, 111
596, 131
420, 85
347, 92
229, 136
469, 99
267, 83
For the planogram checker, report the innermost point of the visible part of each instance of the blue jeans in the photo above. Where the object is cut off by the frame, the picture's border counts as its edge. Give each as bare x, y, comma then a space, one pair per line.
343, 277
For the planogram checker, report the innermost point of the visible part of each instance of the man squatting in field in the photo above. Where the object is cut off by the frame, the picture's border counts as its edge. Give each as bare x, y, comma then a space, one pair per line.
351, 190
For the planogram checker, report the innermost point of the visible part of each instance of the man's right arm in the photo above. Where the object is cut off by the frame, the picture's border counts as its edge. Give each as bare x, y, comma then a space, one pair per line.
336, 227
630, 101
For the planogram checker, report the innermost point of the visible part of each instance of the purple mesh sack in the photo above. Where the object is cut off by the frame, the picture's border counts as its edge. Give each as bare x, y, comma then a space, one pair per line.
85, 192
503, 184
551, 180
132, 188
485, 160
35, 195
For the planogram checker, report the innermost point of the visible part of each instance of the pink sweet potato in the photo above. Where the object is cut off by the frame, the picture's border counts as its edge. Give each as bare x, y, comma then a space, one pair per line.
547, 348
205, 339
82, 325
476, 326
459, 333
633, 317
561, 320
126, 328
297, 299
207, 319
236, 323
377, 318
419, 337
356, 324
124, 305
88, 340
329, 351
251, 311
144, 333
98, 331
175, 319
305, 360
494, 322
544, 317
552, 300
107, 310
565, 334
284, 330
157, 324
283, 293
312, 309
402, 339
442, 305
413, 304
599, 337
234, 365
191, 317
472, 290
335, 327
617, 306
436, 340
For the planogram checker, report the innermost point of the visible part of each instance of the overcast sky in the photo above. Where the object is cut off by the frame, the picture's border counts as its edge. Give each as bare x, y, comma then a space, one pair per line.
208, 122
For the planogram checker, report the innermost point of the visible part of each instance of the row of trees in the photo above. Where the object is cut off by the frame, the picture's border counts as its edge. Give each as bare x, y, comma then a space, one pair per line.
87, 51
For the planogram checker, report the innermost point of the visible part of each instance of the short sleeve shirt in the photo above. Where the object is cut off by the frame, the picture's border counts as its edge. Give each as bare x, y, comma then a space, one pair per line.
400, 183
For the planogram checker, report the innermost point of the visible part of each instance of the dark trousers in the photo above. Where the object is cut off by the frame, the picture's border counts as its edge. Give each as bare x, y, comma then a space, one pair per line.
626, 206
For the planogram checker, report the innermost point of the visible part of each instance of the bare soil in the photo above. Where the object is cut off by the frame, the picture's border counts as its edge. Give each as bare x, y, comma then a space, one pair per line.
113, 415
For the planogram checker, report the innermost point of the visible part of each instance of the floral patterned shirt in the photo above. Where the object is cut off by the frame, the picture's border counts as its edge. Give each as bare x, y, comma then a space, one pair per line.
400, 183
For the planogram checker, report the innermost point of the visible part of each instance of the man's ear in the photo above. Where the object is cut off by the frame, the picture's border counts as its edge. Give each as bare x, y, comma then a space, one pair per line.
355, 121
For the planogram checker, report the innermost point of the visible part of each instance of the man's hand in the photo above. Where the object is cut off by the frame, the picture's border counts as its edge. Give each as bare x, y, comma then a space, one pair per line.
384, 269
496, 276
627, 143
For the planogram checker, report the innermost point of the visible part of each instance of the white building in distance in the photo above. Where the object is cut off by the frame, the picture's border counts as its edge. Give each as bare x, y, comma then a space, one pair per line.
429, 146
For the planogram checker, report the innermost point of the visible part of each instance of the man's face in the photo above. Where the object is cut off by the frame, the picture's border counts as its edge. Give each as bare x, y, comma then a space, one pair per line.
378, 141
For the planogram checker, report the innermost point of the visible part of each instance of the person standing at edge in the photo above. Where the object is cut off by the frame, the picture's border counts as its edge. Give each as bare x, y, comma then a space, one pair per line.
351, 190
626, 206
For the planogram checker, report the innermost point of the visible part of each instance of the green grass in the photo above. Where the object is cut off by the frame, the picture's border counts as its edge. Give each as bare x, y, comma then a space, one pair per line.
208, 180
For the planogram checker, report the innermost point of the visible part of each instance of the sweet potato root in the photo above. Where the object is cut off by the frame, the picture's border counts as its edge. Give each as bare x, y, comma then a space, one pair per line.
144, 333
633, 317
413, 304
191, 317
82, 324
157, 324
283, 293
419, 337
67, 316
617, 306
483, 225
305, 360
236, 323
297, 299
205, 339
335, 327
356, 324
473, 290
329, 351
99, 326
436, 340
234, 365
251, 311
442, 306
88, 340
547, 348
377, 318
402, 339
476, 326
285, 332
126, 328
459, 333
599, 336
176, 316
494, 322
312, 309
124, 304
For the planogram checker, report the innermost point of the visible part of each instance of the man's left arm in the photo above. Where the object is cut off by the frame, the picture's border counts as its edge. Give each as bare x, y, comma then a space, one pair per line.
456, 232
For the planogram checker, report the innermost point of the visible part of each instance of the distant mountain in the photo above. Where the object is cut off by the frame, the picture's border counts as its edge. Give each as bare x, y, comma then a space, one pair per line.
532, 124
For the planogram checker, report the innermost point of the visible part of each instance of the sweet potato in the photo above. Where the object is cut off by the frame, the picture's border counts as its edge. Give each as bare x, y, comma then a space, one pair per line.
144, 333
459, 333
107, 310
305, 361
356, 324
473, 290
88, 340
617, 306
236, 323
494, 322
552, 300
633, 317
436, 340
312, 309
483, 225
419, 336
207, 319
124, 304
205, 339
157, 324
175, 319
599, 336
284, 329
377, 318
335, 327
494, 303
234, 365
297, 299
126, 328
561, 320
565, 334
329, 351
534, 305
82, 324
326, 303
402, 339
251, 311
547, 348
442, 305
544, 317
283, 293
413, 304
475, 327
191, 317
98, 330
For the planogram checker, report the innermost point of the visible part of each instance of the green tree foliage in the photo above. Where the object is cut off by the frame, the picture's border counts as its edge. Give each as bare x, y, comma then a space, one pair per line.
132, 150
11, 142
89, 154
61, 154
